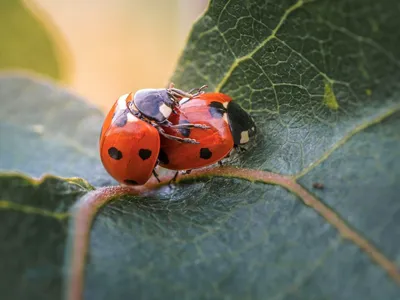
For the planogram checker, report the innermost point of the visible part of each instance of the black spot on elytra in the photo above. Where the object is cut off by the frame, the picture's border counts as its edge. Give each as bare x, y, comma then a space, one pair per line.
216, 109
115, 153
144, 153
120, 118
184, 131
205, 153
163, 157
130, 182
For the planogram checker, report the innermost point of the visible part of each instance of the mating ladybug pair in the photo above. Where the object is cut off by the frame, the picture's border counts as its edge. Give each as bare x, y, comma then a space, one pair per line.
176, 129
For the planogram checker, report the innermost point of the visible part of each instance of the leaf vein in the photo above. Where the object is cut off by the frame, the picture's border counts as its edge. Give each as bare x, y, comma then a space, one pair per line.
237, 61
341, 142
363, 39
4, 205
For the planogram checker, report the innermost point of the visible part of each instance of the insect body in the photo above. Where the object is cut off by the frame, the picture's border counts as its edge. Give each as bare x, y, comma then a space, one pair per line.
229, 126
214, 143
130, 136
129, 146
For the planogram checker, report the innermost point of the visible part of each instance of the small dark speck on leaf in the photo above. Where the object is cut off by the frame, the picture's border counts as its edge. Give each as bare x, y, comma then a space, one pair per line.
318, 185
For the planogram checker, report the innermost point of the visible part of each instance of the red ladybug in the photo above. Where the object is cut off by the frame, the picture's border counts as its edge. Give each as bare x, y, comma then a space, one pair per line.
130, 141
129, 146
230, 126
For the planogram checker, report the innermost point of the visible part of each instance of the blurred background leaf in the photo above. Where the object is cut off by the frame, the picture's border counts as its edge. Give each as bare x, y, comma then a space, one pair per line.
30, 41
121, 46
55, 133
101, 49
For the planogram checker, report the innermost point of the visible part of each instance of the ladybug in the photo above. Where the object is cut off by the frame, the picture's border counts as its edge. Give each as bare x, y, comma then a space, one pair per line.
230, 127
130, 143
129, 146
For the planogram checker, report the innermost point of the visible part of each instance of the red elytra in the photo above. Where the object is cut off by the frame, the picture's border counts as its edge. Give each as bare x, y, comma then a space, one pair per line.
215, 143
129, 146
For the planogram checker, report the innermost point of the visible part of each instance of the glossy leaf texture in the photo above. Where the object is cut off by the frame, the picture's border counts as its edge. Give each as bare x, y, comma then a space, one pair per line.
322, 80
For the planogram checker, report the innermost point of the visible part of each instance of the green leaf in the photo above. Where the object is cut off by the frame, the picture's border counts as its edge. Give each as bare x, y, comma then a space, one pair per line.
322, 80
30, 41
310, 71
46, 130
33, 234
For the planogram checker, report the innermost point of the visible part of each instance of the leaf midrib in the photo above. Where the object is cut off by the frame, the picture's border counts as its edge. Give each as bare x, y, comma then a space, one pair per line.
89, 205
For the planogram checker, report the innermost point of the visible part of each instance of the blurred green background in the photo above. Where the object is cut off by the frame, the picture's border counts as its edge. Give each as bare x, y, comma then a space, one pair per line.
98, 48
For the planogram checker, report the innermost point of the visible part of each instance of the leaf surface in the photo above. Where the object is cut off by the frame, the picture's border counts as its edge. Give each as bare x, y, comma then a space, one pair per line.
321, 79
30, 41
47, 130
33, 234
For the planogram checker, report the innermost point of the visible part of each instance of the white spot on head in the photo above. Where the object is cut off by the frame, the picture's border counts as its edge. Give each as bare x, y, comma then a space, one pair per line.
121, 102
225, 104
131, 118
225, 117
244, 137
184, 100
165, 110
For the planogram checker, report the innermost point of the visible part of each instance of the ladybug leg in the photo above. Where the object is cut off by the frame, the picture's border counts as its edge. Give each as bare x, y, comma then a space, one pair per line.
178, 111
175, 138
187, 172
173, 178
156, 176
185, 125
220, 163
189, 126
197, 91
240, 149
181, 94
178, 139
